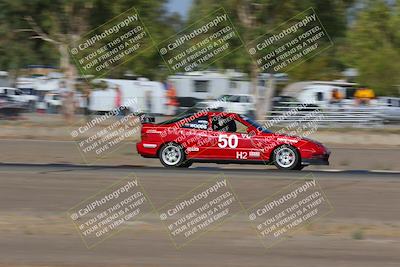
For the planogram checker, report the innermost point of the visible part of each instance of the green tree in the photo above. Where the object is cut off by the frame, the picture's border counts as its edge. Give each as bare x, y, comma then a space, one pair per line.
372, 46
39, 31
254, 18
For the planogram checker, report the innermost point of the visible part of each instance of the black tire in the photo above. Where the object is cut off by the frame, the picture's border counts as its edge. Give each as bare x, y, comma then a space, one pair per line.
286, 157
299, 167
171, 155
186, 164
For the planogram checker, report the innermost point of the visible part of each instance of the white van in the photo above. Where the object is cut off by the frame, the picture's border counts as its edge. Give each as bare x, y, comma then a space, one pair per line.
139, 95
15, 95
237, 103
209, 85
36, 88
389, 108
320, 92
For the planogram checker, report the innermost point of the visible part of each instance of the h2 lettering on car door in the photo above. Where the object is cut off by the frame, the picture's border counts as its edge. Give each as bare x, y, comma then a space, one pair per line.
232, 146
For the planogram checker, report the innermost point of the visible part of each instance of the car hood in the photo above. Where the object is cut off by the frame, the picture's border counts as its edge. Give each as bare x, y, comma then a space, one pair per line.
291, 138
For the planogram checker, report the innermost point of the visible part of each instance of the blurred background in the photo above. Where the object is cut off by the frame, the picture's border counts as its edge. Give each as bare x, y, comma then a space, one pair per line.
361, 69
354, 85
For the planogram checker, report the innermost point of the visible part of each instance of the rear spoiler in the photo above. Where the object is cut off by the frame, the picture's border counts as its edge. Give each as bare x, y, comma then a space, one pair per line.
145, 118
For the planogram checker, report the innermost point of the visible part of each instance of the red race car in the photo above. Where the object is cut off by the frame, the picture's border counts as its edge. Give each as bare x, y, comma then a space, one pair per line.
219, 137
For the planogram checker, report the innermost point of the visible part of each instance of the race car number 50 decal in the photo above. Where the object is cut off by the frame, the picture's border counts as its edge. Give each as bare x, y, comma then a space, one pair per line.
232, 141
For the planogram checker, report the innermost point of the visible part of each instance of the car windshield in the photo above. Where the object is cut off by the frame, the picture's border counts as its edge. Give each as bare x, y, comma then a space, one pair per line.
259, 127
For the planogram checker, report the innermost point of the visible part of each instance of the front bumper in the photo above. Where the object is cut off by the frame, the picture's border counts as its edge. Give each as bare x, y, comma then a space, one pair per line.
317, 160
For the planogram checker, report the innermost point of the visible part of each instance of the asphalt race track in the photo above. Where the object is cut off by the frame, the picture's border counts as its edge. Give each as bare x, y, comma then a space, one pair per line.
36, 231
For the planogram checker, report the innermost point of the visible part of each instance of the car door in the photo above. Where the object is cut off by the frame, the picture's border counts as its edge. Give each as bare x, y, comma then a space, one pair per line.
12, 94
195, 138
231, 139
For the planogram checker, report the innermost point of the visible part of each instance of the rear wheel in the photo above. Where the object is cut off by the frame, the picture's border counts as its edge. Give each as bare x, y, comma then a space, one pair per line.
287, 158
171, 155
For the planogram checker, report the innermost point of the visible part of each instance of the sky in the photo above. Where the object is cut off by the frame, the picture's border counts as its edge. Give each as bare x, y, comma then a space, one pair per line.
180, 6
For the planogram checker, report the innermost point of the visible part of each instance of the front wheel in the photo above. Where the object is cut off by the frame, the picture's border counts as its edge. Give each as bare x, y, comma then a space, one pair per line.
186, 164
287, 158
171, 155
299, 167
